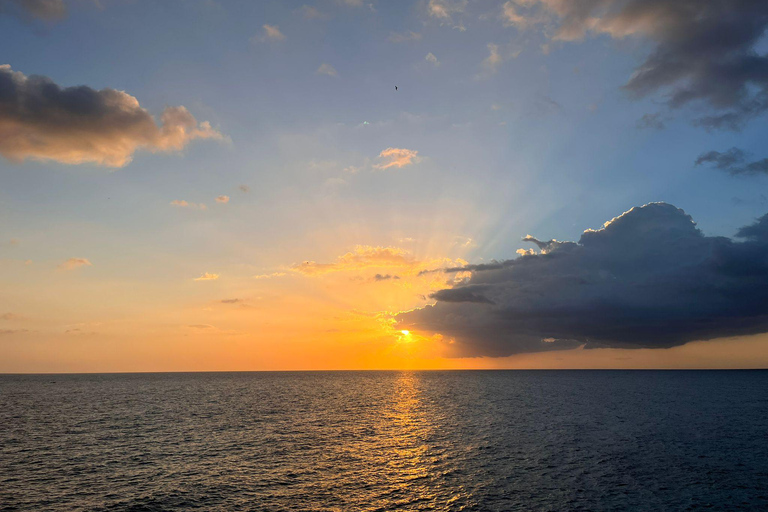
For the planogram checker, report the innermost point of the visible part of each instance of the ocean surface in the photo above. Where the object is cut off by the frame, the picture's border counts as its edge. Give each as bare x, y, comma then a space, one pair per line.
378, 441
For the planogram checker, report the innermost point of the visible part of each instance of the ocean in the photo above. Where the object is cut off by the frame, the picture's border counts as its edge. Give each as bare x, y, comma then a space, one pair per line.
385, 440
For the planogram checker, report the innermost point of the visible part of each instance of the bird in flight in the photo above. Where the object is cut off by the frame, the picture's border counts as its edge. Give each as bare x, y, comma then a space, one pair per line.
395, 87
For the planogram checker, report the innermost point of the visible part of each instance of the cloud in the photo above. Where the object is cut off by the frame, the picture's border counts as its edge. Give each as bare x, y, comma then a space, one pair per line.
231, 301
703, 52
512, 18
351, 3
207, 277
432, 59
311, 13
185, 204
49, 10
269, 33
653, 121
78, 331
648, 278
11, 317
403, 37
244, 188
73, 125
9, 332
326, 69
445, 9
222, 199
494, 59
269, 276
397, 157
210, 329
733, 162
363, 256
384, 277
73, 263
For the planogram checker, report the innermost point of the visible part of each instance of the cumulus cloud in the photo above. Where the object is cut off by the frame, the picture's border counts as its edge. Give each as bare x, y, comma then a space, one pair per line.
186, 204
703, 52
269, 33
734, 162
73, 263
207, 277
326, 69
49, 10
432, 59
73, 125
222, 199
648, 278
397, 157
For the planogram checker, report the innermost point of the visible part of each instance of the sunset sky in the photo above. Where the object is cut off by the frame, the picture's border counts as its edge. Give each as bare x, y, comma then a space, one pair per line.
215, 185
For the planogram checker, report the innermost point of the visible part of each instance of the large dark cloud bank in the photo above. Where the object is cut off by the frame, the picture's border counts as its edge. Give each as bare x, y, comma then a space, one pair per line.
648, 279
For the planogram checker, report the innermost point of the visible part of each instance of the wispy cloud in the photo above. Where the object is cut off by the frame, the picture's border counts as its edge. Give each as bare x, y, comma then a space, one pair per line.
397, 157
222, 199
403, 37
445, 10
185, 204
48, 10
244, 188
207, 277
734, 162
269, 276
432, 59
326, 69
270, 33
10, 332
311, 13
73, 263
494, 59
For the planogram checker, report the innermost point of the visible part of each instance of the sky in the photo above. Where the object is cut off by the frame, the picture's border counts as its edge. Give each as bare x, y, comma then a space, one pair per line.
198, 185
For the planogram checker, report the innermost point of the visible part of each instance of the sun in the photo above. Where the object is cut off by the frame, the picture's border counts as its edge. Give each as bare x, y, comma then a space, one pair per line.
405, 332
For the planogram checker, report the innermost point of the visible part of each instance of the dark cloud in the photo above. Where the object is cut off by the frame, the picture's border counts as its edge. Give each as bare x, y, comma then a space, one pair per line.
41, 120
468, 293
384, 277
231, 301
734, 162
41, 9
705, 51
648, 278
